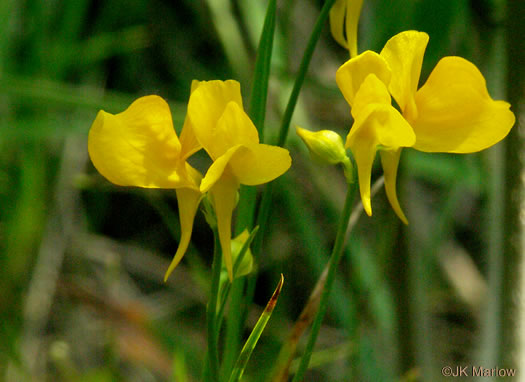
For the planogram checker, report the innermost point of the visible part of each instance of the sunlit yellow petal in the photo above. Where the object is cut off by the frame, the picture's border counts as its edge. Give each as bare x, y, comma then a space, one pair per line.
353, 11
234, 127
137, 147
390, 163
404, 53
258, 163
352, 73
188, 140
371, 91
385, 124
207, 104
223, 195
216, 170
337, 22
344, 19
456, 112
364, 152
377, 126
188, 201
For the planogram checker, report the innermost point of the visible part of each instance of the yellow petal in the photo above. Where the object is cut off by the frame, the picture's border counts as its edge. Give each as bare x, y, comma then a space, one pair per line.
188, 201
207, 104
217, 168
364, 153
352, 73
223, 195
383, 124
390, 163
345, 14
377, 126
137, 147
337, 22
234, 127
456, 112
371, 91
258, 163
188, 140
404, 53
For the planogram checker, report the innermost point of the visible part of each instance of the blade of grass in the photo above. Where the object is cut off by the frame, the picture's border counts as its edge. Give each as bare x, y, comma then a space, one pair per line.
264, 210
513, 188
252, 340
261, 77
211, 313
284, 360
259, 95
335, 257
235, 321
230, 36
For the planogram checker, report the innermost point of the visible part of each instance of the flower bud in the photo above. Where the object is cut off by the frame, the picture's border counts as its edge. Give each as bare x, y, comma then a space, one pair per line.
325, 146
246, 265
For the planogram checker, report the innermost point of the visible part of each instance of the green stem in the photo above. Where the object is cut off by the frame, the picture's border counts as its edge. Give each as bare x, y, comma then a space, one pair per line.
266, 201
303, 69
335, 257
262, 70
259, 95
213, 352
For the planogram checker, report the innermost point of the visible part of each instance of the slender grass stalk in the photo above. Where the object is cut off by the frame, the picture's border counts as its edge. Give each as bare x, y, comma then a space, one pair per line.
258, 97
266, 201
514, 166
252, 340
335, 257
230, 36
261, 78
491, 349
303, 70
235, 319
213, 328
286, 355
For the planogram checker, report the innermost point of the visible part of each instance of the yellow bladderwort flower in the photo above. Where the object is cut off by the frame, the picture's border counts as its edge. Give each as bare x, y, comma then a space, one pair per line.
452, 112
140, 148
229, 137
344, 19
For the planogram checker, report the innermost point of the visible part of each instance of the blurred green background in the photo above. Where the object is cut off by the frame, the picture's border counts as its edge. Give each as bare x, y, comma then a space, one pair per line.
82, 260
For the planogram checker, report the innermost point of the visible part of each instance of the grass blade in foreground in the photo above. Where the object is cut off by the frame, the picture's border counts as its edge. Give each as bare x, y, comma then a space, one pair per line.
258, 97
264, 209
247, 350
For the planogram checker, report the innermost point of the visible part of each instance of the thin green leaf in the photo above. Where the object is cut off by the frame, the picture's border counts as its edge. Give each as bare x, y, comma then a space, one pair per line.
264, 210
261, 77
247, 350
259, 95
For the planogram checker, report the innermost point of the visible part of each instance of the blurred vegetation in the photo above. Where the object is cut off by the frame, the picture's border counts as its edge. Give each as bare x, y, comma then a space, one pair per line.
82, 261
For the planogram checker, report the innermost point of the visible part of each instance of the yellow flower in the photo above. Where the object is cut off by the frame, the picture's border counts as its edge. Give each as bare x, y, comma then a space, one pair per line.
344, 19
139, 147
452, 112
229, 137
